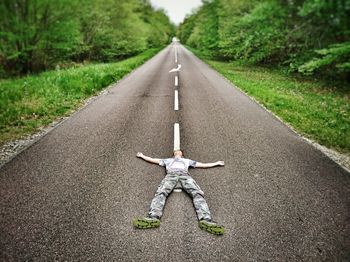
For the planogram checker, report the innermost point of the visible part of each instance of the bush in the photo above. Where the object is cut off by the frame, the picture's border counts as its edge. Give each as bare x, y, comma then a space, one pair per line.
336, 58
280, 33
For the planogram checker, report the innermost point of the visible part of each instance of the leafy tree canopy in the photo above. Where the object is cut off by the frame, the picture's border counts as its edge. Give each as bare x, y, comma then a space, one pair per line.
306, 36
38, 34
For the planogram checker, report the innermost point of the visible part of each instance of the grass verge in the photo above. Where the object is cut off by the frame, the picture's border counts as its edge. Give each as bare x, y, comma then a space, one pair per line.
314, 109
29, 103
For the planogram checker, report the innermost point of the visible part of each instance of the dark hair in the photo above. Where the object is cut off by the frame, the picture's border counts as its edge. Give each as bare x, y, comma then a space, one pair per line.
183, 154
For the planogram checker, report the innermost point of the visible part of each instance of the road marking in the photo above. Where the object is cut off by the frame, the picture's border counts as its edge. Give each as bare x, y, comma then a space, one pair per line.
175, 54
176, 102
176, 80
176, 69
176, 136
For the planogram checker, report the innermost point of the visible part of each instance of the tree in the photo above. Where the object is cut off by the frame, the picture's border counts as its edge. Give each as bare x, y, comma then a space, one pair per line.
306, 36
34, 33
38, 34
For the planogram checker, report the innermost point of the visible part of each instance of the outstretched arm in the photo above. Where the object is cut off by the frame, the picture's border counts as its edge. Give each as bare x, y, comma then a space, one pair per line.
148, 159
206, 165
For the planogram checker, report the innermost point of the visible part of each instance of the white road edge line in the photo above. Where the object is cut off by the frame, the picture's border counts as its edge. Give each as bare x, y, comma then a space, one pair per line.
176, 136
176, 101
176, 80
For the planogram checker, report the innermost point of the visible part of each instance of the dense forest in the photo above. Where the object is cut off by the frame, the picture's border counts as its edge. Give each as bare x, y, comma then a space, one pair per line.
37, 35
311, 37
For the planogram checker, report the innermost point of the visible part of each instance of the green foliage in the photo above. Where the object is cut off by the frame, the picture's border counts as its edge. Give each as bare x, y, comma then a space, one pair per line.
34, 33
286, 33
30, 102
205, 34
258, 35
336, 57
99, 26
39, 34
159, 27
186, 28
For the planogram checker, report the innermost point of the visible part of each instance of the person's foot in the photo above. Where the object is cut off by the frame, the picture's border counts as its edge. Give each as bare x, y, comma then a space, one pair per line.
146, 222
211, 227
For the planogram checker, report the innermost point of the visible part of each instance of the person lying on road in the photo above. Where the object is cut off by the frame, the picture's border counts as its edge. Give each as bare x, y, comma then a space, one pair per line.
177, 171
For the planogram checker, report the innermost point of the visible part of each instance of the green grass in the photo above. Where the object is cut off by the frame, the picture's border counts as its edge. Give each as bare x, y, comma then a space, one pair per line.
29, 103
313, 108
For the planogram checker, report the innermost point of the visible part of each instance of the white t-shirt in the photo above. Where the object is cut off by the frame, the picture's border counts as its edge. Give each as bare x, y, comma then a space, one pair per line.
177, 164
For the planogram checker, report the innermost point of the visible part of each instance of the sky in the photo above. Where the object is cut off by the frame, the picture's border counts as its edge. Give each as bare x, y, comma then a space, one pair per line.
177, 9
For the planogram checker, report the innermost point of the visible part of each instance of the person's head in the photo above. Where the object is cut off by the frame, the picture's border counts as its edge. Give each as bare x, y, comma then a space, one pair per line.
178, 153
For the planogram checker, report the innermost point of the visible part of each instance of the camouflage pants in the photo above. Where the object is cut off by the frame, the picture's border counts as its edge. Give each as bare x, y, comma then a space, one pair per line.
189, 185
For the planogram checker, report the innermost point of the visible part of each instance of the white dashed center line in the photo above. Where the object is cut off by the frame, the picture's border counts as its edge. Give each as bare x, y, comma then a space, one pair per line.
175, 54
176, 100
176, 136
176, 80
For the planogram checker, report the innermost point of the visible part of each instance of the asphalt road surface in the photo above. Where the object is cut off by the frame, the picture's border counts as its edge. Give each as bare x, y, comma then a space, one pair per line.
72, 195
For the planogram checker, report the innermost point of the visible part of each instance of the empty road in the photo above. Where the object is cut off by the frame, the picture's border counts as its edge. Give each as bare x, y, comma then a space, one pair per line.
72, 195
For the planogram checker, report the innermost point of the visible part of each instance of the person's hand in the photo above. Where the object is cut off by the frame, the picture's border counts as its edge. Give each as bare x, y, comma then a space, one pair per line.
221, 163
139, 154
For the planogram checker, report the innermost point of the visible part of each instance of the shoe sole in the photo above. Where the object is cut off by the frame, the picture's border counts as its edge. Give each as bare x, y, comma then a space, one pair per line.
213, 229
145, 223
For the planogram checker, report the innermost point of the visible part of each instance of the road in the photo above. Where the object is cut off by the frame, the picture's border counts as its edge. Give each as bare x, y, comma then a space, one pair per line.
73, 194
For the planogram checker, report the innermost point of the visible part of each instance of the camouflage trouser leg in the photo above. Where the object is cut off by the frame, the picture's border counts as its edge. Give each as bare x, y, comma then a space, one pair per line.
164, 189
191, 187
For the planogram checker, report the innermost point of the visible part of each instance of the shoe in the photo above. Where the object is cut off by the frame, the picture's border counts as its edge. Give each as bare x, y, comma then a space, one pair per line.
211, 227
146, 222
